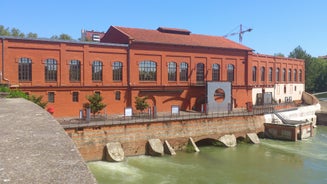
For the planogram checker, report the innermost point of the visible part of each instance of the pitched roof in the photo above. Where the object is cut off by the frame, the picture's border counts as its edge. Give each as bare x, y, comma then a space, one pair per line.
173, 36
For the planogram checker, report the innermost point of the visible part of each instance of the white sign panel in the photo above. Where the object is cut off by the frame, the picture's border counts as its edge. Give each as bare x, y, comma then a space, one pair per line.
174, 109
128, 111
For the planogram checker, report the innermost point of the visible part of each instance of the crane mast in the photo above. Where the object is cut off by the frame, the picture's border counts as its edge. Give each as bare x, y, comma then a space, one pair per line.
240, 33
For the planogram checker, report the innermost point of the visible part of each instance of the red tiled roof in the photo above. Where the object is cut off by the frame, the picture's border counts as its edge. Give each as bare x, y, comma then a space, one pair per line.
178, 37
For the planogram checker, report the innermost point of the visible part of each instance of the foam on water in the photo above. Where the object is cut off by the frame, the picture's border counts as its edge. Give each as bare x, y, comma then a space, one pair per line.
278, 161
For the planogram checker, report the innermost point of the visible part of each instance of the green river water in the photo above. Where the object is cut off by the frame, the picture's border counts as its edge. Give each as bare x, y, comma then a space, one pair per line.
272, 161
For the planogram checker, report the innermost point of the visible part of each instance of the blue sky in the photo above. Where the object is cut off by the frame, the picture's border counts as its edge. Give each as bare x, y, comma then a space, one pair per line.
278, 25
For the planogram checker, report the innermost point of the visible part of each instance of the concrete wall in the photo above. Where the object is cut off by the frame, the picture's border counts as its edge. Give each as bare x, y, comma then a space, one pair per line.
133, 137
35, 148
280, 91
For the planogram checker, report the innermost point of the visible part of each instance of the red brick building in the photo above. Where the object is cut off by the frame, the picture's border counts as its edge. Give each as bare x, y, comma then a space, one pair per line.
94, 36
169, 66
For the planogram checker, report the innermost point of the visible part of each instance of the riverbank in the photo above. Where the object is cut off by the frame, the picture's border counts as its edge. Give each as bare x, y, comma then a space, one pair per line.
322, 115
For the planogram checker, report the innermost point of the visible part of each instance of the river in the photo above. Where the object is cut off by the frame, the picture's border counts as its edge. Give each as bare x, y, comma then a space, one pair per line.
271, 161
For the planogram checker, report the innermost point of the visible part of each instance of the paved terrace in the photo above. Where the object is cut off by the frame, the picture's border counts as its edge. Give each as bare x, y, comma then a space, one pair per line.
34, 148
106, 120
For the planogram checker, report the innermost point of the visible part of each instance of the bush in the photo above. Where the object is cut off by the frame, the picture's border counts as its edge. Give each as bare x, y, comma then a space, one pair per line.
140, 103
95, 103
16, 93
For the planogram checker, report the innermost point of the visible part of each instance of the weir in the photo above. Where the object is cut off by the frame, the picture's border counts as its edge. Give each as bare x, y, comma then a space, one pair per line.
134, 137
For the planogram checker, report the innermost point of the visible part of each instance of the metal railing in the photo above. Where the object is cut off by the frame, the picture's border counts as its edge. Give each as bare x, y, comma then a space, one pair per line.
107, 120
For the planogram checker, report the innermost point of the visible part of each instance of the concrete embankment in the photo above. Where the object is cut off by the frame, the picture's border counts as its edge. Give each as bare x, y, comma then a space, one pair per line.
34, 148
322, 115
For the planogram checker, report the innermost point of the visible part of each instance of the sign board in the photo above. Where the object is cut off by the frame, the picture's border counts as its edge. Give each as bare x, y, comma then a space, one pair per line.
175, 110
128, 112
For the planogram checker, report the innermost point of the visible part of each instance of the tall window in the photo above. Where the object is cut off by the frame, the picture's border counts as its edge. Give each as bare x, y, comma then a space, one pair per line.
50, 70
117, 95
117, 71
172, 71
97, 71
270, 74
300, 75
147, 71
183, 72
263, 73
25, 69
289, 75
277, 75
295, 75
254, 73
75, 70
284, 75
230, 72
215, 72
75, 97
200, 72
51, 97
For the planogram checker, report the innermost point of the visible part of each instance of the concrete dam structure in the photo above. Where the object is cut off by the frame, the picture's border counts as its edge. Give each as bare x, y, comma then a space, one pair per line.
91, 141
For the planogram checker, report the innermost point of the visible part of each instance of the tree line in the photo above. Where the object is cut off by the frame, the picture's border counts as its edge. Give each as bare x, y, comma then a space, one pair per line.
6, 31
315, 70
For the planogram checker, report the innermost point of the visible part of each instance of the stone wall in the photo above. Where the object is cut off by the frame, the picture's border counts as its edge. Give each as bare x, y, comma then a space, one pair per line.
133, 137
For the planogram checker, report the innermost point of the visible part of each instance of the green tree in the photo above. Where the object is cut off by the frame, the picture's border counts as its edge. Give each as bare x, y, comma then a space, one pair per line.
279, 54
61, 37
318, 74
95, 103
140, 103
4, 31
16, 32
315, 70
16, 93
31, 35
310, 74
38, 100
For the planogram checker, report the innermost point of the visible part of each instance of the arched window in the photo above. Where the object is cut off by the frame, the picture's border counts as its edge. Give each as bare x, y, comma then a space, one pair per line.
284, 75
117, 71
295, 75
75, 70
215, 72
254, 73
263, 74
300, 75
183, 72
97, 71
172, 71
200, 72
270, 74
230, 72
147, 71
50, 70
289, 75
25, 69
277, 75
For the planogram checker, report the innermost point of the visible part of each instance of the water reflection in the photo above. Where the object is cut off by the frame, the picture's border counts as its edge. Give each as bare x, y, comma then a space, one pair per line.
269, 162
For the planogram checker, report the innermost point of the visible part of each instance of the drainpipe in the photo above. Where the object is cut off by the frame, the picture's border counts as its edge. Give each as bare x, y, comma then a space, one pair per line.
3, 62
129, 90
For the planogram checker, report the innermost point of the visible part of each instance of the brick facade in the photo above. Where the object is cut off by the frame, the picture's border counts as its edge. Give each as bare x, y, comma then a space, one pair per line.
131, 50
